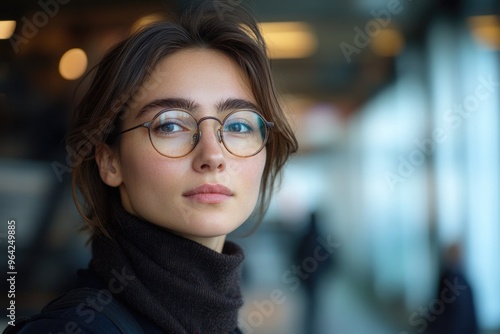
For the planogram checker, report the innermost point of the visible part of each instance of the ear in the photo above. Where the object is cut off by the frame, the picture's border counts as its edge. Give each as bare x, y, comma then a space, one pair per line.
109, 165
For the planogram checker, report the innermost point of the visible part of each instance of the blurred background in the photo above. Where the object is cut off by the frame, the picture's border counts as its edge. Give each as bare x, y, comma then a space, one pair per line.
387, 220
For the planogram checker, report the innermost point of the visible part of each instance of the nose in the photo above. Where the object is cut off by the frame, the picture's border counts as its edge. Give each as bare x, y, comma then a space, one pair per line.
209, 152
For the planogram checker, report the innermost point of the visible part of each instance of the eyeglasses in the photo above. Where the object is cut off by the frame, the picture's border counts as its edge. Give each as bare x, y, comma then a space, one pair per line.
175, 133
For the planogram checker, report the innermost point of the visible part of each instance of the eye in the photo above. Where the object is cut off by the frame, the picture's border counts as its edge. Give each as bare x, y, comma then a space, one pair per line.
238, 127
170, 127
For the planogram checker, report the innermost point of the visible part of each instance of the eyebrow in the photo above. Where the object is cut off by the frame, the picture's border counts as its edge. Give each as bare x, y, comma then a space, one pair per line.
235, 104
171, 103
191, 106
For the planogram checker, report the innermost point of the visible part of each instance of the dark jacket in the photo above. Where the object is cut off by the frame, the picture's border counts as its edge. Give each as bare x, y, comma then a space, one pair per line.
82, 318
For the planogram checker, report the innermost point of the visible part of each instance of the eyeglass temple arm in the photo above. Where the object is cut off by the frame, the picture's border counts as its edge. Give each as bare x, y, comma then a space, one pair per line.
146, 125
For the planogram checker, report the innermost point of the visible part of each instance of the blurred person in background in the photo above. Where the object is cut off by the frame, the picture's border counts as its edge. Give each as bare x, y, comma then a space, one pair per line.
307, 248
178, 141
457, 299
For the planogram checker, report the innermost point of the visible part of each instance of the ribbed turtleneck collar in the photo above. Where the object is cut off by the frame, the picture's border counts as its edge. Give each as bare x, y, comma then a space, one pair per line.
182, 286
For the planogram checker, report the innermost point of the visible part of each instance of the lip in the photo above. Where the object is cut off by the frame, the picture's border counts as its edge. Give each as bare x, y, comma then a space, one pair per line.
209, 193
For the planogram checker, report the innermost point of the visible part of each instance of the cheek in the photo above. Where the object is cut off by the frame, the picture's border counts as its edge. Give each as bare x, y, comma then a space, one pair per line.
147, 175
259, 170
255, 181
139, 159
252, 172
150, 172
152, 187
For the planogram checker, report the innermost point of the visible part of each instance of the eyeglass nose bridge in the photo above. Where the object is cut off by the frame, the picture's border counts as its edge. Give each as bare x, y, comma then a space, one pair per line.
197, 135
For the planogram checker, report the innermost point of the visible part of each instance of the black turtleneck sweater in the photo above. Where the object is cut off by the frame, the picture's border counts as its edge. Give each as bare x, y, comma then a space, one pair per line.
178, 284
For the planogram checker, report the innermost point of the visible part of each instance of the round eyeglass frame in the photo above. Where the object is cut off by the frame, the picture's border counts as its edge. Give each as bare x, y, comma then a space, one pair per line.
198, 133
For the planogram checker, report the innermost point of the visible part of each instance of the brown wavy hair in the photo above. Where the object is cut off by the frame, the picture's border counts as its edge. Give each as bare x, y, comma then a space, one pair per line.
122, 72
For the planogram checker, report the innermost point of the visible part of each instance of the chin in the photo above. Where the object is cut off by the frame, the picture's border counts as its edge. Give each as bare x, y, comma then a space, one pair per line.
208, 223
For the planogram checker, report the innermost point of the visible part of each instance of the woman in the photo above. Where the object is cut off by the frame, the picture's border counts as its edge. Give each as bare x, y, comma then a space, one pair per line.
179, 139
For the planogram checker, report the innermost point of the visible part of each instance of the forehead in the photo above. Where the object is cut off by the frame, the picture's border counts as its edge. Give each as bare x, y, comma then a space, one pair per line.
203, 76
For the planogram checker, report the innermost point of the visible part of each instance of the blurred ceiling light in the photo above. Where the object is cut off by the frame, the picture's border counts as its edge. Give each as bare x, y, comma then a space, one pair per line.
288, 40
145, 21
388, 43
486, 30
73, 64
7, 28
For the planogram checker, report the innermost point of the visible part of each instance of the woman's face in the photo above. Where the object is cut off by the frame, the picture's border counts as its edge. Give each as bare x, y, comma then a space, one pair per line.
166, 191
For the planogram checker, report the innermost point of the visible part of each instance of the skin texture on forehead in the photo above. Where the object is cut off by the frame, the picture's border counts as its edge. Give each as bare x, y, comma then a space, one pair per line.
154, 187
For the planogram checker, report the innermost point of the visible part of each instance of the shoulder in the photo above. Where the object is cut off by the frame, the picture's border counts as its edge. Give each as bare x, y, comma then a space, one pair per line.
91, 308
70, 320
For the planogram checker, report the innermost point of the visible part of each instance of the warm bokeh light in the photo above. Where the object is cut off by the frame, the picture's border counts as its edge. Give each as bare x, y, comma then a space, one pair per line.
7, 29
73, 64
486, 30
146, 20
388, 43
288, 40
